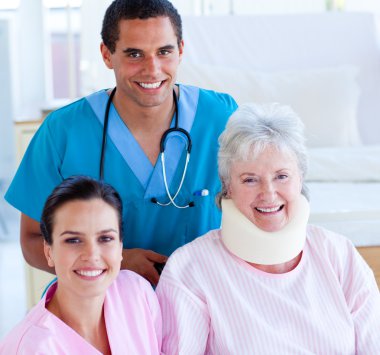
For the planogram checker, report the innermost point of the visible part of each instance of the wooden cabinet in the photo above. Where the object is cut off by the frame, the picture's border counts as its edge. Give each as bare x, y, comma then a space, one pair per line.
372, 257
36, 280
24, 133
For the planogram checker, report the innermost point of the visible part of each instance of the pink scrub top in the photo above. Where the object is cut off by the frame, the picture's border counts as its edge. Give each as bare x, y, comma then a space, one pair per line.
132, 315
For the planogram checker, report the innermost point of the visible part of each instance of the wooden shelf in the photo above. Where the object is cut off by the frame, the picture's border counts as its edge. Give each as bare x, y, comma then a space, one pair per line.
372, 257
36, 280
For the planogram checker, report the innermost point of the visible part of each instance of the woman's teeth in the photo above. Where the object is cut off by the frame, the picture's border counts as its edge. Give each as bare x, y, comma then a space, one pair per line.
89, 273
267, 210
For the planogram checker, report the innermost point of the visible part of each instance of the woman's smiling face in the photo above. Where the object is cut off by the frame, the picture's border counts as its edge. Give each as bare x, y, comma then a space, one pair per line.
264, 188
86, 250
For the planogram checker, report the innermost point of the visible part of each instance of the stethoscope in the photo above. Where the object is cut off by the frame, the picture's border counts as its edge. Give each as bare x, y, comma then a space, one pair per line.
162, 151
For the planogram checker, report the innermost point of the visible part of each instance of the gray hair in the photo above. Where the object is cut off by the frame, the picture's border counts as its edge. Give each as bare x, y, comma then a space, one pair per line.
252, 128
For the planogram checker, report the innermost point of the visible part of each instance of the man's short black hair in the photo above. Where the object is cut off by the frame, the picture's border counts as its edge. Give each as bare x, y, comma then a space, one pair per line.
137, 9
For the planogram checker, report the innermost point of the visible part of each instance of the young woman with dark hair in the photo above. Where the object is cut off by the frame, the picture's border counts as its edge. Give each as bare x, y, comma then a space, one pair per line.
93, 307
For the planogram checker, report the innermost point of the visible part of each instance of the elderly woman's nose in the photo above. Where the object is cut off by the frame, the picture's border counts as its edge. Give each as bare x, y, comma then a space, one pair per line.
268, 188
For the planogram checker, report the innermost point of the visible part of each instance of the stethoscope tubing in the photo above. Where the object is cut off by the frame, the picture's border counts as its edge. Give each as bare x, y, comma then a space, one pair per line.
162, 151
104, 137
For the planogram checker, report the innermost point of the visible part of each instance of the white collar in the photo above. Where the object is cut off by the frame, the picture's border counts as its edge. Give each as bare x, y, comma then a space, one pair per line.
252, 244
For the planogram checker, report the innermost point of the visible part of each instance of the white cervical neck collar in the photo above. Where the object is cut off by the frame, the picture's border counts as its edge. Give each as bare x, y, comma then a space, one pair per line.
254, 245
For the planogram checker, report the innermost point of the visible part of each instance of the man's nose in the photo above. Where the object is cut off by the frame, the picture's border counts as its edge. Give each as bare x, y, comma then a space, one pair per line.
152, 65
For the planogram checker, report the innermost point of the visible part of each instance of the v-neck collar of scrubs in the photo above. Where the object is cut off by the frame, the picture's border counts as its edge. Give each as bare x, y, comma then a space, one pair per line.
82, 344
149, 176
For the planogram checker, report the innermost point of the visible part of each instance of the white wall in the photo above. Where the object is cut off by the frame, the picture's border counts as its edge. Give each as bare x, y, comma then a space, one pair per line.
32, 46
94, 74
6, 103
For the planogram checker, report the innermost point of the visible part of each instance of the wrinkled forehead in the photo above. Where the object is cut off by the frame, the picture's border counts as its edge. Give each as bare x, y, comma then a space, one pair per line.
257, 149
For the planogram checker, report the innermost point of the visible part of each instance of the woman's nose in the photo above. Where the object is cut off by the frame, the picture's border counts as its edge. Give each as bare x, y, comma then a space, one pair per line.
90, 252
268, 190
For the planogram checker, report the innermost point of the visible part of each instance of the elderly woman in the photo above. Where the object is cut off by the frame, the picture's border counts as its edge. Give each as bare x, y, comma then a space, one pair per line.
266, 282
93, 308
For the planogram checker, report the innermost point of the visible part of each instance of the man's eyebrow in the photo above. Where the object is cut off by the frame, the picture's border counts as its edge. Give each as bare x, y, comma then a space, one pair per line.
134, 50
131, 50
167, 47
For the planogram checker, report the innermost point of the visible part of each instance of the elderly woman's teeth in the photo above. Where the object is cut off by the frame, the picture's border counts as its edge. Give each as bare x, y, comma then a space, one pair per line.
267, 210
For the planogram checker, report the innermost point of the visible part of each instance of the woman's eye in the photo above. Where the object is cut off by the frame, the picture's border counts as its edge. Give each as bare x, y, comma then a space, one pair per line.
249, 180
72, 240
282, 176
106, 238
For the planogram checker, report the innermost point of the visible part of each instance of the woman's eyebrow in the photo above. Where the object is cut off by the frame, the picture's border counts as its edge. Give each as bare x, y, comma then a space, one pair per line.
71, 233
107, 231
247, 173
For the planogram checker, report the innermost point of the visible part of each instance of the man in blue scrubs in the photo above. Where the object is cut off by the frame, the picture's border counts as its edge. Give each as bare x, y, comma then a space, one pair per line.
142, 43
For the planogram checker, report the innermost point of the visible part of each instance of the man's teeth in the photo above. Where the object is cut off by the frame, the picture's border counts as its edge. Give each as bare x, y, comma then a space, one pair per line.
273, 209
151, 85
89, 273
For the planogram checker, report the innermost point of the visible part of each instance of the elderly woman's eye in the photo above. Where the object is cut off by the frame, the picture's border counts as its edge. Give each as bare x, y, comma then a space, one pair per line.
249, 180
282, 176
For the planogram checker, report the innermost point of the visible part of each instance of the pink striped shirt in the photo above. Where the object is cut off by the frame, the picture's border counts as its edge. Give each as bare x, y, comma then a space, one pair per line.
214, 303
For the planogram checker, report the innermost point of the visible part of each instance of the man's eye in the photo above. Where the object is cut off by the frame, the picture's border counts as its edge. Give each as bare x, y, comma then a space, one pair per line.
164, 52
134, 55
72, 240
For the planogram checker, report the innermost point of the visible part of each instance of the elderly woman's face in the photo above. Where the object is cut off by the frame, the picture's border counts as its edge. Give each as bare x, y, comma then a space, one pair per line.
264, 189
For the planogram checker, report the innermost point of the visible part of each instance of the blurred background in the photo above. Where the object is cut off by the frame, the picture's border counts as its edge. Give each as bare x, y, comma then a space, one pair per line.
50, 57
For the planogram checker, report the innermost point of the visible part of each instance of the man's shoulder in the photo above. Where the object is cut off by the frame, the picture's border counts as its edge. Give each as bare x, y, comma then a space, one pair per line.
75, 111
67, 109
219, 97
212, 96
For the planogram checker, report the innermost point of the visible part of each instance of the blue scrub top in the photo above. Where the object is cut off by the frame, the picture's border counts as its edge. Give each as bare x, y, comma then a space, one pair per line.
69, 143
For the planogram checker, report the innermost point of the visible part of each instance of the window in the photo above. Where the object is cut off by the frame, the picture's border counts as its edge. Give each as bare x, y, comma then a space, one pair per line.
62, 3
9, 4
64, 27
